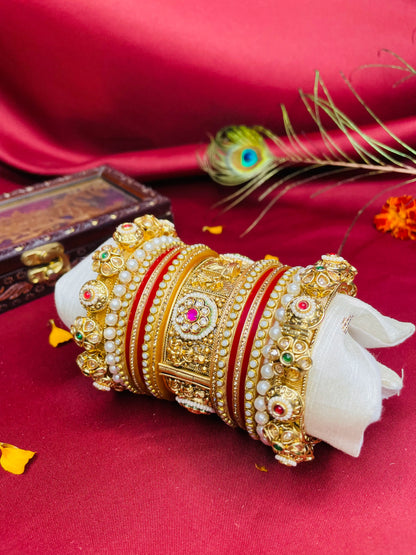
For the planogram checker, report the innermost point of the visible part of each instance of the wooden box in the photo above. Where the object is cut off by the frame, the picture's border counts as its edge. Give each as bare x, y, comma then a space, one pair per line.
47, 228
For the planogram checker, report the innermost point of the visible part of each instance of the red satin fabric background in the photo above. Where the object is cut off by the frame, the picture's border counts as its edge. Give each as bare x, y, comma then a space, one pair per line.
140, 86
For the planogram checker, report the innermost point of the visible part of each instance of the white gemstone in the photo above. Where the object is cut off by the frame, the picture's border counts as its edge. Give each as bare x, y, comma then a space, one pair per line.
262, 418
109, 333
111, 319
119, 290
125, 276
267, 371
275, 332
251, 373
132, 264
115, 304
249, 384
139, 254
263, 387
260, 403
109, 346
253, 363
249, 396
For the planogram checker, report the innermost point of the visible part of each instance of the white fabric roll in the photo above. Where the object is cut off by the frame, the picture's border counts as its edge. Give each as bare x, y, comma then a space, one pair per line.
346, 384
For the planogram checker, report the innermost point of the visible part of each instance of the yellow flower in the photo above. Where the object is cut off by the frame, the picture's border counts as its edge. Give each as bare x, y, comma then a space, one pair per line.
13, 459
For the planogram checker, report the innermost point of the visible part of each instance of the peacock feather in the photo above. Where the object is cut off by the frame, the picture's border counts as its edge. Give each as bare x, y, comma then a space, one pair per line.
249, 157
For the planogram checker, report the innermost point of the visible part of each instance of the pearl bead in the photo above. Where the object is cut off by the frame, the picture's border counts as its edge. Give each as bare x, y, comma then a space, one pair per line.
280, 314
139, 254
274, 332
113, 369
267, 371
262, 418
263, 387
109, 333
115, 304
125, 276
157, 241
117, 378
110, 359
109, 346
286, 299
293, 288
266, 351
260, 404
132, 264
111, 319
119, 290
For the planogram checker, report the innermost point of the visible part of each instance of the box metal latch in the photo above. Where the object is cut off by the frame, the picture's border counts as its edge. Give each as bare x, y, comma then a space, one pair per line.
47, 263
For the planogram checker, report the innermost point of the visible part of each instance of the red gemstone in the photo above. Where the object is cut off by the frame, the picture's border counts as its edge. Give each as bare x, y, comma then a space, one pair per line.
192, 314
87, 294
278, 409
303, 305
127, 226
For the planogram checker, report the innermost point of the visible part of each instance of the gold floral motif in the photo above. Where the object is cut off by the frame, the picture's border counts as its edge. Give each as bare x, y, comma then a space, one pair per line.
193, 397
194, 355
107, 261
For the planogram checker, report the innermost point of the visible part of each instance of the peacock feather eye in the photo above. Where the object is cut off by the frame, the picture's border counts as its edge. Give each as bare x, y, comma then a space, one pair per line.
249, 157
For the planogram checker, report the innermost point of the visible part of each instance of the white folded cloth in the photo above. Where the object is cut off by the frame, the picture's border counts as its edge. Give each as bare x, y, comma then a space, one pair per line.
346, 384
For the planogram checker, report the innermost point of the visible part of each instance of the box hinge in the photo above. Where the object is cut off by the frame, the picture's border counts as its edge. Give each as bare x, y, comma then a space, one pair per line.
46, 263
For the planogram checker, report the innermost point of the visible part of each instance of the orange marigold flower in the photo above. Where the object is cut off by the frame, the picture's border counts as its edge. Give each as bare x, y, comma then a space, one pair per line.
398, 216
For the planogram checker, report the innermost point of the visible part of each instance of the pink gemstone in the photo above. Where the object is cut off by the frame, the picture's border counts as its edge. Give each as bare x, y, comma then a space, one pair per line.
87, 295
278, 409
192, 314
303, 305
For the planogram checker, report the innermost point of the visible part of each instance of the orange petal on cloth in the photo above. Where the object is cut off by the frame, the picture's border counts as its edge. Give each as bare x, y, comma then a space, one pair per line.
13, 459
398, 216
261, 468
215, 230
58, 335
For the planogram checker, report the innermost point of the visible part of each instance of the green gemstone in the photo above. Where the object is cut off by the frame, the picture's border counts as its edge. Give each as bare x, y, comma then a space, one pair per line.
104, 255
320, 267
287, 358
79, 336
277, 447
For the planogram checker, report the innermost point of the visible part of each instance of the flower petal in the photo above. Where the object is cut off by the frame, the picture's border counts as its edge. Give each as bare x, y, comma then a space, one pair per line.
58, 336
215, 230
13, 459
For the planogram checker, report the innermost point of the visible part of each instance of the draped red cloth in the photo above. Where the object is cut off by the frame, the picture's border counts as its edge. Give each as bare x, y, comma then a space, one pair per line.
139, 86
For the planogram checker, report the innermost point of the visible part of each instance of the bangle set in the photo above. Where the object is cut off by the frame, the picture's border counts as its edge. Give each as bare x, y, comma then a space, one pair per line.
218, 333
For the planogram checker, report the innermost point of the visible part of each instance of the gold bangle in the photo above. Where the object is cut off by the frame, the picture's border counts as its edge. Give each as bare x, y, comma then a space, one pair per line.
280, 402
220, 333
190, 336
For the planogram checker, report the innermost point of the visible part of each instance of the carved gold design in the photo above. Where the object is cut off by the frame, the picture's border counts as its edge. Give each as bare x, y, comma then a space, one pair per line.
191, 396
